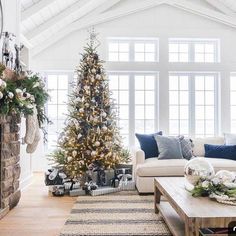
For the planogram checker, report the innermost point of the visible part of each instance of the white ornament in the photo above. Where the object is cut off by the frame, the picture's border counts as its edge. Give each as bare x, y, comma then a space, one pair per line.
225, 176
98, 77
104, 114
29, 106
104, 128
10, 95
93, 153
1, 95
79, 136
3, 84
97, 143
74, 153
69, 158
198, 168
93, 70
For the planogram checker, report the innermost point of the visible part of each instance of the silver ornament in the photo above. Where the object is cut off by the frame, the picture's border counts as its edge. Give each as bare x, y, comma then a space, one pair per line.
198, 168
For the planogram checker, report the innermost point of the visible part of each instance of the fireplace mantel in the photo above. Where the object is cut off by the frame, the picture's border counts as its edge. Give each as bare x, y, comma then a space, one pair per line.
9, 163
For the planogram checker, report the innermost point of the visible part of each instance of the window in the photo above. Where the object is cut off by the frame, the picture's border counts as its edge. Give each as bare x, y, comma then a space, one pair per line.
179, 104
133, 49
144, 103
205, 52
145, 51
56, 108
119, 51
119, 85
193, 104
178, 52
233, 101
194, 50
135, 95
205, 105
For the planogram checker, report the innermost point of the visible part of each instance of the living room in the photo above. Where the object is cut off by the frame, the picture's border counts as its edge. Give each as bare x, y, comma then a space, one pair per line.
112, 108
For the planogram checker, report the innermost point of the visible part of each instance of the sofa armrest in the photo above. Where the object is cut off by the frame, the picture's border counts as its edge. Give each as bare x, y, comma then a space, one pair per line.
139, 157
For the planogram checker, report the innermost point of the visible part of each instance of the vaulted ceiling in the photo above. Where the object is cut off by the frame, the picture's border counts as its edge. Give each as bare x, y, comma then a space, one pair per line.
43, 22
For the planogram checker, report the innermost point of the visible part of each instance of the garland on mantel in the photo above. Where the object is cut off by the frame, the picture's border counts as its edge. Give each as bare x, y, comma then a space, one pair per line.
20, 93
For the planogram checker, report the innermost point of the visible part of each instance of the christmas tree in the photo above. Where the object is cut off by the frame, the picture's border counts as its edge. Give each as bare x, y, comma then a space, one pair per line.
91, 133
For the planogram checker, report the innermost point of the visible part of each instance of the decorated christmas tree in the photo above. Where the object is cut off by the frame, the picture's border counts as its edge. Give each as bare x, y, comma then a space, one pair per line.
91, 134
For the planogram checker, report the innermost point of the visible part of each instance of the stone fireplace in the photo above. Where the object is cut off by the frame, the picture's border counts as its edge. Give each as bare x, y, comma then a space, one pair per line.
9, 163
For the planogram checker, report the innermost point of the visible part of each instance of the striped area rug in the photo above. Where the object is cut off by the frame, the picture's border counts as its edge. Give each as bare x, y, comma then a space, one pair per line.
120, 214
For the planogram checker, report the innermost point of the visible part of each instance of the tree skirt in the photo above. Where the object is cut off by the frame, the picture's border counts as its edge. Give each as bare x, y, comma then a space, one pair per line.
123, 214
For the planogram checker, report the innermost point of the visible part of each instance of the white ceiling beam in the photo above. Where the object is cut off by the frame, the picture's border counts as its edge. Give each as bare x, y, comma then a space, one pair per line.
91, 21
80, 9
25, 41
27, 13
130, 9
55, 19
220, 6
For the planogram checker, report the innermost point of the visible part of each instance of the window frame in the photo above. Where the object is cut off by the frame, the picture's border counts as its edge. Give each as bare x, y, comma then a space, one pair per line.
132, 41
192, 104
191, 52
132, 90
70, 75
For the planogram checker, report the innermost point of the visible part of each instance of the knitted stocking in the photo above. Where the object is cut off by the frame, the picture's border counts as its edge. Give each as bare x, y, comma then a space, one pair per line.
32, 136
31, 123
33, 146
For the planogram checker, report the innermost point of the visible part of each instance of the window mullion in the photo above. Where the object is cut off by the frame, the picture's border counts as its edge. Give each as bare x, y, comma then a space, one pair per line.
131, 110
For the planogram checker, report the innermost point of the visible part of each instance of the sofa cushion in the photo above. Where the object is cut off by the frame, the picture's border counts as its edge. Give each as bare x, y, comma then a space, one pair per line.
222, 164
169, 147
186, 147
220, 151
230, 139
148, 144
154, 167
198, 144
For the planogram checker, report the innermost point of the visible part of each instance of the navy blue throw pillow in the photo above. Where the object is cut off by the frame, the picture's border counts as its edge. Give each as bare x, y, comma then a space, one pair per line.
220, 151
148, 144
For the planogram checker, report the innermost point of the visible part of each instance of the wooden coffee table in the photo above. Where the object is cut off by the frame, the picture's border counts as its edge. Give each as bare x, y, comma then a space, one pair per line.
184, 214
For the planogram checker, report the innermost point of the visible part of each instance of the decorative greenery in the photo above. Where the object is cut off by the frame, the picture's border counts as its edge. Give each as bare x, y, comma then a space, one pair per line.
222, 187
20, 93
91, 133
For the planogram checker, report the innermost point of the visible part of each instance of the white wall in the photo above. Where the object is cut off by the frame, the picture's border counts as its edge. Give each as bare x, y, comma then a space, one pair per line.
162, 22
11, 12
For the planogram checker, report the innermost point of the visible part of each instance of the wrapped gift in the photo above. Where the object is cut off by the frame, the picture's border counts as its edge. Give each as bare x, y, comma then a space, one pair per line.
77, 192
57, 190
104, 190
109, 175
127, 185
54, 177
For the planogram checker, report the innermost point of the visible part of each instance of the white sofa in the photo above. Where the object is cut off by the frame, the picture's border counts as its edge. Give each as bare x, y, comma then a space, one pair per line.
146, 170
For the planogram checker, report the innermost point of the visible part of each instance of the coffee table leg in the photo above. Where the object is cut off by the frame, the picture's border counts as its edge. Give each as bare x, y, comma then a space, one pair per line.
191, 228
157, 198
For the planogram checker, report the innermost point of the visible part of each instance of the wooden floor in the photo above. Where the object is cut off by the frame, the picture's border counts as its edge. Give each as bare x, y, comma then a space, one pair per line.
37, 213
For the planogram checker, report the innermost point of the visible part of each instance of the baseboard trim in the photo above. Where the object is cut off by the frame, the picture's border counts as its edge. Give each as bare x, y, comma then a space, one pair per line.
26, 182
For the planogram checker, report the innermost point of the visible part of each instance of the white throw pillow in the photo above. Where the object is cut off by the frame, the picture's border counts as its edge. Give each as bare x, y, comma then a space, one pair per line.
230, 139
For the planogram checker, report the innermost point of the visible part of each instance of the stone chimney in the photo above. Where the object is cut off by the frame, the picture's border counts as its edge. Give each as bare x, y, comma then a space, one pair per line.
9, 163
